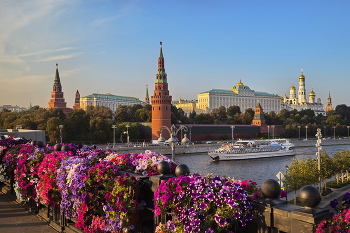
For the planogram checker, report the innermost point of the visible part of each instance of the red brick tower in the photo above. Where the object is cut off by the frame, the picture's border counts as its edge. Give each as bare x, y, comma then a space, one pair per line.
161, 101
57, 99
259, 118
77, 100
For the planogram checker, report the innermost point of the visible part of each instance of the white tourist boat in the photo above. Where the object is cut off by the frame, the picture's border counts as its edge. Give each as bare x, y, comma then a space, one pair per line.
253, 149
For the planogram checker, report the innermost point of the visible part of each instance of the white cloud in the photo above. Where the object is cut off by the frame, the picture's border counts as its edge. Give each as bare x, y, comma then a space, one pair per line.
45, 51
60, 57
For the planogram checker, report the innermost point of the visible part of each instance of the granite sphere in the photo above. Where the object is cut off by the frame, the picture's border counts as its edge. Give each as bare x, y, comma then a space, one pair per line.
163, 168
58, 147
65, 148
271, 188
309, 196
40, 144
182, 170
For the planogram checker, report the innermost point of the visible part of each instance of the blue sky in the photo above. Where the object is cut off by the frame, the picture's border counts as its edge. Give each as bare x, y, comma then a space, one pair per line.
110, 46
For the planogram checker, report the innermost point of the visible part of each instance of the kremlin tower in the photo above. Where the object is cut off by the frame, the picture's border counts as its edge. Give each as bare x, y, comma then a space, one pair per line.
161, 101
77, 101
146, 96
329, 106
57, 99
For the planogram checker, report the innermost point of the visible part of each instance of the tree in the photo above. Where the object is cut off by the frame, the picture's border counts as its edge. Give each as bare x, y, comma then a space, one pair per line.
99, 130
52, 128
300, 173
122, 114
233, 110
327, 168
219, 114
99, 111
248, 116
76, 126
204, 118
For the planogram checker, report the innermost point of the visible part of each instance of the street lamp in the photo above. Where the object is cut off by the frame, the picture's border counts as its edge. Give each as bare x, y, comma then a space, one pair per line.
127, 134
173, 139
299, 130
325, 129
61, 127
232, 127
268, 132
273, 132
334, 132
190, 132
348, 130
114, 127
306, 131
318, 153
286, 183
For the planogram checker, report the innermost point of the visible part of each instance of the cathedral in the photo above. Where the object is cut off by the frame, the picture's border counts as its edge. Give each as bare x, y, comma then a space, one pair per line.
299, 100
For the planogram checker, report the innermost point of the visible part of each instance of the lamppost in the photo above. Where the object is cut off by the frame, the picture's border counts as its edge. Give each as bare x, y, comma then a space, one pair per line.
268, 132
286, 183
334, 132
273, 132
306, 131
232, 127
61, 127
173, 139
114, 127
318, 153
348, 130
299, 130
190, 132
325, 131
127, 134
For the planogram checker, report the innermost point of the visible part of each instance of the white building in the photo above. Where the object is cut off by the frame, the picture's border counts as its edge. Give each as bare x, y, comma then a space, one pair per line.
108, 100
239, 95
301, 103
13, 108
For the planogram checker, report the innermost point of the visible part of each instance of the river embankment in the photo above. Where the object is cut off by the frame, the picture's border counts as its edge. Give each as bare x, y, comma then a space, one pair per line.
203, 148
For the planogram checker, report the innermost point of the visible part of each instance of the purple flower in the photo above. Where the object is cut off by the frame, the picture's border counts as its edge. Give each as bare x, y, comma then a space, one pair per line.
334, 203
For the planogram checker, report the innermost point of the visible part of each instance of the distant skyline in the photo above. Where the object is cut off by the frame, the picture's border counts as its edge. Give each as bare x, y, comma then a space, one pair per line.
112, 46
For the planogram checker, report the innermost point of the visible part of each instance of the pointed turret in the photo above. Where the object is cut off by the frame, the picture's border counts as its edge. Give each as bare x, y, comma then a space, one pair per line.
259, 118
146, 96
161, 76
57, 82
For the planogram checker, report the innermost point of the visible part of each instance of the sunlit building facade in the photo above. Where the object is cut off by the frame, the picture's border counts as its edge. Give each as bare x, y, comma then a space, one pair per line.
108, 100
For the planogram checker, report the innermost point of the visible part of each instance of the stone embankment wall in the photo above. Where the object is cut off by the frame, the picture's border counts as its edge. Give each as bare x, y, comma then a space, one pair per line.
204, 148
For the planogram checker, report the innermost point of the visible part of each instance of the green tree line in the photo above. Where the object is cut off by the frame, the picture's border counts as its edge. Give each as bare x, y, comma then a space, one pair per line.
305, 171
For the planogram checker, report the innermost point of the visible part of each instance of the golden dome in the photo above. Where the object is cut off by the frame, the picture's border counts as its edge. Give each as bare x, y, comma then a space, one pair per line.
239, 83
292, 88
312, 93
301, 76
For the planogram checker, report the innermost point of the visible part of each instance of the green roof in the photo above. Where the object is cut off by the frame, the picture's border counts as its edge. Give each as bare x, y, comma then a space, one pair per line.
112, 97
229, 92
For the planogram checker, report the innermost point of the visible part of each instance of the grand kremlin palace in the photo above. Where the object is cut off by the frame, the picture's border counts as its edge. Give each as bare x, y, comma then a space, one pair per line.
239, 95
108, 100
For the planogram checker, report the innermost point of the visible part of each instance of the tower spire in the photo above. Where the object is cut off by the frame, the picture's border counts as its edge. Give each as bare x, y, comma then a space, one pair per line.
147, 96
161, 76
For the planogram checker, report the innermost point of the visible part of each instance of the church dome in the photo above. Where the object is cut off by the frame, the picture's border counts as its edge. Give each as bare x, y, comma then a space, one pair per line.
292, 88
239, 83
301, 76
312, 93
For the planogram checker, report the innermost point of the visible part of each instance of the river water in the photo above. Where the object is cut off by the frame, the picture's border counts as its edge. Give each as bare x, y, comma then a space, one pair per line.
255, 169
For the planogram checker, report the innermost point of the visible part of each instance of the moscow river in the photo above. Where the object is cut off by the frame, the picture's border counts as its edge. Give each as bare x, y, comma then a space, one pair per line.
255, 169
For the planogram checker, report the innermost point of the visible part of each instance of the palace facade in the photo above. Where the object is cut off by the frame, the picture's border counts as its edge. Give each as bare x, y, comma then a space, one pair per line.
239, 95
108, 100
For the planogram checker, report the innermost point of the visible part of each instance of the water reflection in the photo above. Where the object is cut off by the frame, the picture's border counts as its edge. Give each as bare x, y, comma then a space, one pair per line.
255, 169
